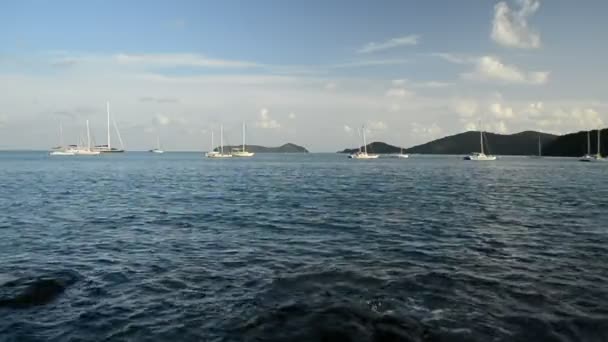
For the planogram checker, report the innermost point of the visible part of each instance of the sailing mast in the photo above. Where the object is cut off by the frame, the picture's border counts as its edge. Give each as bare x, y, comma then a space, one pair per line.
364, 141
109, 136
88, 137
212, 146
599, 155
243, 137
588, 143
539, 147
222, 139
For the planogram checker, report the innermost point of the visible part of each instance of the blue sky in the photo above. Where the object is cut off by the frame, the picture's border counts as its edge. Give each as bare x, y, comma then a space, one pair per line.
304, 72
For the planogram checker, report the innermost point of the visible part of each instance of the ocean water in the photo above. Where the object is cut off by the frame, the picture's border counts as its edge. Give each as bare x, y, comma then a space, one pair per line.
143, 247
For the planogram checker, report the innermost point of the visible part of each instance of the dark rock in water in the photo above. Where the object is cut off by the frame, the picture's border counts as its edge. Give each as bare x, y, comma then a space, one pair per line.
24, 293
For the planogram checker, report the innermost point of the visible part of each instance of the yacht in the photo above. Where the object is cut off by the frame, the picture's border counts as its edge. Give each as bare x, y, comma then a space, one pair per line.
242, 152
157, 149
87, 151
62, 150
220, 154
480, 156
107, 148
363, 154
598, 156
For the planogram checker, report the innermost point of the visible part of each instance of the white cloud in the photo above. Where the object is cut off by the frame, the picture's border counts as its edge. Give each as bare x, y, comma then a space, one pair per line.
510, 27
500, 127
179, 59
465, 107
348, 129
502, 112
292, 116
452, 58
398, 92
390, 44
398, 82
265, 121
367, 63
162, 119
489, 68
330, 85
431, 131
377, 125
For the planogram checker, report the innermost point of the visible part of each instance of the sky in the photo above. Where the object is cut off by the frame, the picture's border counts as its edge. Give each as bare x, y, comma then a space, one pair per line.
306, 72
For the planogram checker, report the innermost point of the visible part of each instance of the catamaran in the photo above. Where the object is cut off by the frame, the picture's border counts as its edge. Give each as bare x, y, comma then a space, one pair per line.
363, 154
62, 150
107, 148
86, 151
480, 156
242, 152
598, 156
220, 154
157, 149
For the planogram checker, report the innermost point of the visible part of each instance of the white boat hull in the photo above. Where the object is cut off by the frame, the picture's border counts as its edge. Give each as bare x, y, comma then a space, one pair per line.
61, 153
218, 155
363, 156
402, 156
591, 159
157, 151
242, 154
86, 153
480, 157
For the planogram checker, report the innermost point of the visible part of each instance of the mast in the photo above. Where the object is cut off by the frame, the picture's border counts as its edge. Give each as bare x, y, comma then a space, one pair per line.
598, 143
212, 147
243, 136
481, 139
588, 143
60, 135
539, 147
222, 139
88, 137
109, 139
364, 141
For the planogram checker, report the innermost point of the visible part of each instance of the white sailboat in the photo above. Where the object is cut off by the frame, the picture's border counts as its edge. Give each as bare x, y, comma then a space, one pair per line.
598, 156
157, 149
242, 152
212, 152
480, 156
219, 154
401, 155
87, 151
61, 150
363, 154
108, 147
587, 157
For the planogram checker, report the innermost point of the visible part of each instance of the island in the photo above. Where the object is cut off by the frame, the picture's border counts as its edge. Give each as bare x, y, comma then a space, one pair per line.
285, 148
523, 143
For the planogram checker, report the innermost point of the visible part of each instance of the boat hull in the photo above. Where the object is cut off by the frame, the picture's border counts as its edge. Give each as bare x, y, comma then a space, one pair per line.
241, 154
480, 158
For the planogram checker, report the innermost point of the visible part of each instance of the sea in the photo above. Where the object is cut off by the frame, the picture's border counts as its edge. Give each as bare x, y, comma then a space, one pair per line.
302, 247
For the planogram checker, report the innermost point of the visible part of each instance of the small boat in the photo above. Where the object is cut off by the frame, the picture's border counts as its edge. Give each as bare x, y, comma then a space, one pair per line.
107, 148
598, 156
402, 155
157, 149
61, 150
86, 151
220, 154
242, 152
363, 154
480, 156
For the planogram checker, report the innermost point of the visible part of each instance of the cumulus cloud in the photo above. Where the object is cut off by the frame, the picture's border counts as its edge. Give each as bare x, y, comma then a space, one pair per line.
502, 112
489, 68
162, 119
431, 131
377, 125
265, 121
465, 107
411, 39
510, 27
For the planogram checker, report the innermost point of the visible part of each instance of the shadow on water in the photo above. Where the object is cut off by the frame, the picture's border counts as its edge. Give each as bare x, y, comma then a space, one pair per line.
27, 292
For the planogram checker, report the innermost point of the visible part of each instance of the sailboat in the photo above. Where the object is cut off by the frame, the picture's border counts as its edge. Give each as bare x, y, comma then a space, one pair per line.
61, 150
598, 156
212, 152
480, 156
108, 147
242, 152
587, 157
87, 151
220, 154
363, 154
157, 149
401, 155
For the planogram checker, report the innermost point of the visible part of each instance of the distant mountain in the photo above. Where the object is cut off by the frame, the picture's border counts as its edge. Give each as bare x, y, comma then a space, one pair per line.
524, 143
286, 148
575, 144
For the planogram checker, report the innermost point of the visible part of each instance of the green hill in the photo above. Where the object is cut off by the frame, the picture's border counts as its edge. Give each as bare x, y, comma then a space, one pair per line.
286, 148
